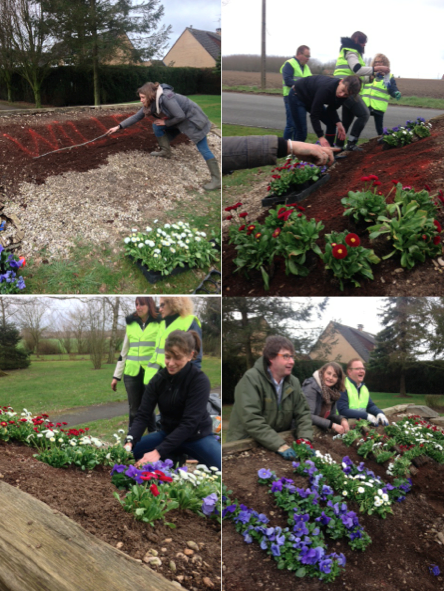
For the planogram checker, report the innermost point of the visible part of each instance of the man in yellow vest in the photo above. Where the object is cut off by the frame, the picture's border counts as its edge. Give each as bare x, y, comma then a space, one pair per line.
350, 61
292, 70
376, 94
355, 402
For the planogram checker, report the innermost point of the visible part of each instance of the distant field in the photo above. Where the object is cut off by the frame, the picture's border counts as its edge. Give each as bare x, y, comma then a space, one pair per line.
408, 86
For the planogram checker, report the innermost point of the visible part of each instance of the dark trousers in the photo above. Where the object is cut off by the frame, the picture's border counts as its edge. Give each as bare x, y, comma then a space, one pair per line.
354, 107
135, 388
379, 120
289, 130
299, 115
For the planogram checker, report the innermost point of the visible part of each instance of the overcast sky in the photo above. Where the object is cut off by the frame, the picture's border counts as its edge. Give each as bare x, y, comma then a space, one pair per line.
200, 14
408, 32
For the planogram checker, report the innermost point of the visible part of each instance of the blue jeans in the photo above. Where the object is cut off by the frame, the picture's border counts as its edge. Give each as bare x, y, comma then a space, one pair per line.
173, 132
299, 117
206, 450
289, 130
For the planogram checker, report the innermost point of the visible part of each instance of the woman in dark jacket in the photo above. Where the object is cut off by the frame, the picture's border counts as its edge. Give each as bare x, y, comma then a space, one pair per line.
182, 116
181, 391
322, 391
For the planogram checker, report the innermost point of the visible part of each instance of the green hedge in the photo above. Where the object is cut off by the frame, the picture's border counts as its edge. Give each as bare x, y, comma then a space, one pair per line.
420, 379
70, 86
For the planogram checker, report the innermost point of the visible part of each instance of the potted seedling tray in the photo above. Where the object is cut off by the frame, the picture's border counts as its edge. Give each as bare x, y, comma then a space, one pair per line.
300, 193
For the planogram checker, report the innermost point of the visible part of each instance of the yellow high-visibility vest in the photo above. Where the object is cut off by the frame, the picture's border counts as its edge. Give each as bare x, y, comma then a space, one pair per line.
342, 68
142, 344
357, 399
297, 73
376, 95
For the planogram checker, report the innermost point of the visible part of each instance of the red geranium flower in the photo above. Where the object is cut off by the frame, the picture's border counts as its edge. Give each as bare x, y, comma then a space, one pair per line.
424, 237
154, 490
239, 204
229, 217
377, 184
243, 215
276, 233
339, 251
365, 179
268, 188
275, 176
241, 228
228, 208
287, 214
4, 424
301, 208
436, 240
395, 182
438, 226
258, 235
352, 240
379, 192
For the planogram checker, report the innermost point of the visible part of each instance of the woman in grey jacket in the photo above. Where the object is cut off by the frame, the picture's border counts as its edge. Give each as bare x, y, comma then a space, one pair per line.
322, 391
182, 116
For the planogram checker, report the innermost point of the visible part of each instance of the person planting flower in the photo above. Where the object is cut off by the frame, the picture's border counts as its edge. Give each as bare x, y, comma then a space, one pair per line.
182, 116
268, 398
322, 391
181, 391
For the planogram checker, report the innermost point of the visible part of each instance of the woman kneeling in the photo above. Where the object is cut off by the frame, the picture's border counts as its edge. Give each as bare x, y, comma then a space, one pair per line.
181, 391
322, 391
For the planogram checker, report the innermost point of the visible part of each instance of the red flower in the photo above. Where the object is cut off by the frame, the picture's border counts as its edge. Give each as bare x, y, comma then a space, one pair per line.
4, 424
373, 177
23, 261
287, 214
299, 215
301, 208
377, 184
239, 204
352, 240
379, 192
365, 179
424, 237
395, 182
241, 228
339, 251
427, 188
228, 208
229, 217
438, 226
243, 215
147, 476
275, 176
268, 188
154, 490
281, 211
258, 235
276, 233
406, 188
64, 423
165, 478
436, 240
292, 205
251, 228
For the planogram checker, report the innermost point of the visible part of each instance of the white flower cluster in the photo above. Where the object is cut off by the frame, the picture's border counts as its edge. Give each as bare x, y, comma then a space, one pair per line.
201, 474
182, 238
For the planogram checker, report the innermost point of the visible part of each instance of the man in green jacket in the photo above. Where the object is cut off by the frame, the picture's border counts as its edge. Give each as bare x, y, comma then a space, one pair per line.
268, 398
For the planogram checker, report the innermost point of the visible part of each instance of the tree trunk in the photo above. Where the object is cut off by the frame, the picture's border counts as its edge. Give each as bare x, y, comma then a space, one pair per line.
248, 352
402, 392
113, 339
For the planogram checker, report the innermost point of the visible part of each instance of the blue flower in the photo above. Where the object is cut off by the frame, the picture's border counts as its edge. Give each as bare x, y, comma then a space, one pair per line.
263, 544
311, 555
276, 486
209, 504
264, 473
229, 509
118, 468
323, 518
434, 570
325, 565
275, 550
243, 517
247, 538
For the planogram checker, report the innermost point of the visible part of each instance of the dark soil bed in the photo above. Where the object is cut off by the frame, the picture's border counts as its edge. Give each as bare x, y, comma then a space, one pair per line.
87, 498
23, 137
418, 164
403, 545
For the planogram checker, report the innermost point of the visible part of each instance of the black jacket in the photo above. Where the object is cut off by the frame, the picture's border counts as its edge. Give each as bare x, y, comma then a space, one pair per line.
182, 401
315, 92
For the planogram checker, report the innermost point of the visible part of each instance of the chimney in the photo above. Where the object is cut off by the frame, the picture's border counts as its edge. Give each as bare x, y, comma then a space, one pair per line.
218, 31
360, 327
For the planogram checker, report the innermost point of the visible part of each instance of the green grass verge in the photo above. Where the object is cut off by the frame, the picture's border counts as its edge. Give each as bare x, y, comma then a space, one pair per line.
57, 385
105, 428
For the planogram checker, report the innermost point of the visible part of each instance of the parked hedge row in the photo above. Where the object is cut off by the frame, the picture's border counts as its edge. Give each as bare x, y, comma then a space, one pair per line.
420, 379
70, 86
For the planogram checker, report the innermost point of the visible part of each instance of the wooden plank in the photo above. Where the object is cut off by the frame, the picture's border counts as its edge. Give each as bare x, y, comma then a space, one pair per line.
43, 550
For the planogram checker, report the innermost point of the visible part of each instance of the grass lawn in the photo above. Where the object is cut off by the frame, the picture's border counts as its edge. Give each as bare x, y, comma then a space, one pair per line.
57, 385
106, 428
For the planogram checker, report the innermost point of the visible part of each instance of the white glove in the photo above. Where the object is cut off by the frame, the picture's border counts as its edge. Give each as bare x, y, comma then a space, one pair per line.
382, 418
372, 419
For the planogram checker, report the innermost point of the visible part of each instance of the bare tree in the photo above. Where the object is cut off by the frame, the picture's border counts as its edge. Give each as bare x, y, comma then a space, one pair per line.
32, 320
7, 56
96, 330
8, 309
114, 304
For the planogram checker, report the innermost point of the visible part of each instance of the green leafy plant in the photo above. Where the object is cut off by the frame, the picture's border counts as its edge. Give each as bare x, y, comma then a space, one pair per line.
414, 234
347, 259
296, 239
147, 504
291, 175
174, 245
10, 282
403, 135
365, 205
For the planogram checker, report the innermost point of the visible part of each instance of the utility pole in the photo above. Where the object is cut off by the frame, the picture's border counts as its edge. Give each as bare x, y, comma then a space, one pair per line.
263, 54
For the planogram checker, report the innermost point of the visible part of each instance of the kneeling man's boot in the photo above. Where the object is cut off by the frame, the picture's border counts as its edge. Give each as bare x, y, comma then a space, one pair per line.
213, 167
165, 149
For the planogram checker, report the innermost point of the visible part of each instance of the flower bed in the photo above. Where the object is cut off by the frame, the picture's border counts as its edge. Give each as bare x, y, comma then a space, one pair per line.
93, 503
395, 555
418, 165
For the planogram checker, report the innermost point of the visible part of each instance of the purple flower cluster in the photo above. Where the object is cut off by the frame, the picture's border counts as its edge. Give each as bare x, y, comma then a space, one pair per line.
135, 473
11, 283
209, 504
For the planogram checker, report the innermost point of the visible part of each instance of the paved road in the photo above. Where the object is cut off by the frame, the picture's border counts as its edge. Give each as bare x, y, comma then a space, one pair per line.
268, 111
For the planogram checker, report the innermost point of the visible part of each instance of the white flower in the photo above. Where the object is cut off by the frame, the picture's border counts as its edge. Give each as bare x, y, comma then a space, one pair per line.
72, 442
173, 250
167, 226
148, 229
159, 231
140, 245
186, 247
155, 255
60, 440
39, 435
203, 234
133, 229
127, 240
378, 501
380, 493
344, 493
133, 239
52, 439
155, 221
120, 431
156, 251
175, 226
385, 497
361, 489
187, 241
49, 433
197, 239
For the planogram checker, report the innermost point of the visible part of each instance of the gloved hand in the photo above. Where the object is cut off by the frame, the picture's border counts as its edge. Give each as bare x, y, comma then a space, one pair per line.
372, 419
382, 418
397, 95
288, 454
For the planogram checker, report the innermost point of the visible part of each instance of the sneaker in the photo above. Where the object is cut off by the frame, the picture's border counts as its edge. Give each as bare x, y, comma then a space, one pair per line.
352, 146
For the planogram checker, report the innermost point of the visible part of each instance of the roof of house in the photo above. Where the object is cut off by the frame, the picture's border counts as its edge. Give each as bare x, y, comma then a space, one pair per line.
210, 41
362, 342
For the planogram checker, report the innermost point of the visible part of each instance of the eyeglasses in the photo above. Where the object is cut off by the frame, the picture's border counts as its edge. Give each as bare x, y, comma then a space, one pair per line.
357, 368
286, 356
161, 306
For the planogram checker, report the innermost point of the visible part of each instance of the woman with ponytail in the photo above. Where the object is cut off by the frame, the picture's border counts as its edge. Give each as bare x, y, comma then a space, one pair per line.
181, 391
